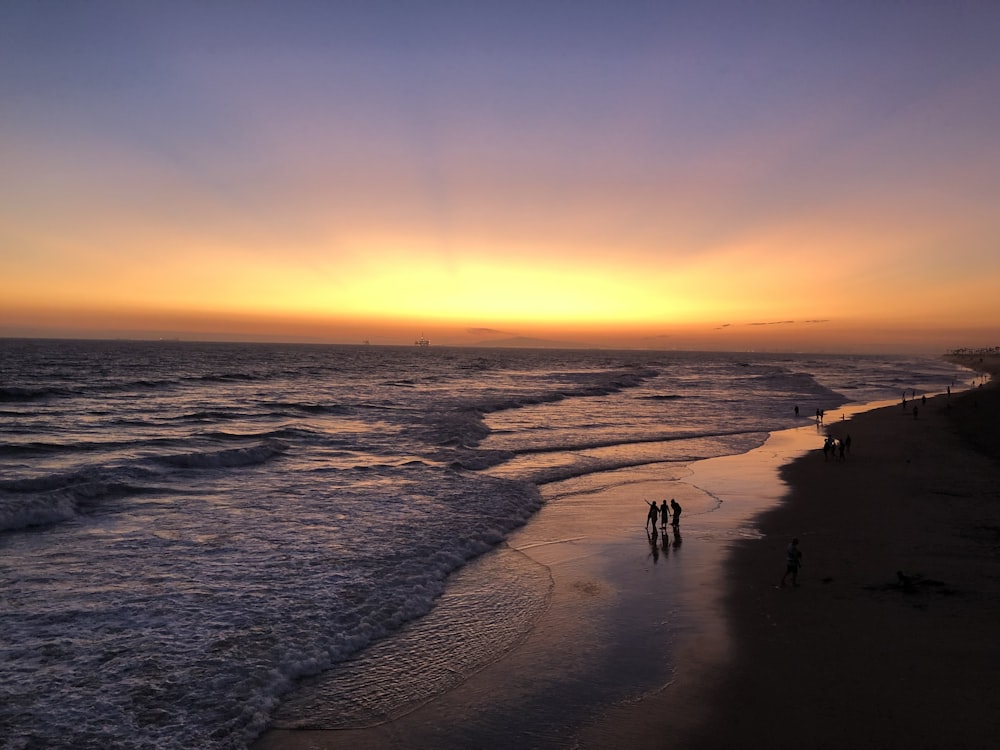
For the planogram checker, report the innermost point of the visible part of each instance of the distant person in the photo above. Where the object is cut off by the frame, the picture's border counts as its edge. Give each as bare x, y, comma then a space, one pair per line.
651, 516
793, 561
676, 507
796, 410
664, 513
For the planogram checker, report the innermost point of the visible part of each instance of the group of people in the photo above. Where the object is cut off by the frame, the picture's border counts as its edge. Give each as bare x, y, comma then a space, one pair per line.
793, 555
834, 447
663, 513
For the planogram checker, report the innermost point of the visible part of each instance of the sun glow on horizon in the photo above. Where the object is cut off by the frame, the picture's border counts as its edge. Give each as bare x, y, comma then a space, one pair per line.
660, 176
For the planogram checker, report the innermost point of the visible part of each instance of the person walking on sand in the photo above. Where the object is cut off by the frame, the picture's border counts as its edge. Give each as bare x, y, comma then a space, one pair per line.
664, 513
793, 561
651, 516
676, 507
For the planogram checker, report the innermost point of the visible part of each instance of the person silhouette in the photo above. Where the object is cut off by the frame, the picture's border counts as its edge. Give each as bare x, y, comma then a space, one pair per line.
676, 507
664, 513
793, 561
651, 516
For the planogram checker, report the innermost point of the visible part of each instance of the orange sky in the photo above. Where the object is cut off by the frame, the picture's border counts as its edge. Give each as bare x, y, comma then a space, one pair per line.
702, 176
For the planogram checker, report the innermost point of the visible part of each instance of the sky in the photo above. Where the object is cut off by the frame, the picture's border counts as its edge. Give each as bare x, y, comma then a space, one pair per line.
773, 175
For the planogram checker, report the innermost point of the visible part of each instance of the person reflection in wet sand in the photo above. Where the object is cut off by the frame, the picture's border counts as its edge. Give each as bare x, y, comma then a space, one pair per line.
654, 547
677, 537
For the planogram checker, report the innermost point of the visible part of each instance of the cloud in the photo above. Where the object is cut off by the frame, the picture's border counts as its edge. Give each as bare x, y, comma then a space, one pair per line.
815, 321
788, 322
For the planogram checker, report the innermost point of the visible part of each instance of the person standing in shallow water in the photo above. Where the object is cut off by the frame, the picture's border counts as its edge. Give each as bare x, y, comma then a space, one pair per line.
651, 516
793, 561
664, 513
676, 507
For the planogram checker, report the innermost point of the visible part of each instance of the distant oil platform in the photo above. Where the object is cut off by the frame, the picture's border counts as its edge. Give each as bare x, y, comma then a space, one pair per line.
422, 341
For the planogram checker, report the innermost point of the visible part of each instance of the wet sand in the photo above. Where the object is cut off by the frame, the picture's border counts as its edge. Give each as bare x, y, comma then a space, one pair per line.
696, 646
622, 613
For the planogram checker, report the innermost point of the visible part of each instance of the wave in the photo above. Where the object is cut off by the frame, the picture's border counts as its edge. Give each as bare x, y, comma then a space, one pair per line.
228, 377
583, 445
142, 384
35, 448
464, 426
554, 474
109, 447
15, 393
63, 496
56, 498
20, 513
306, 408
600, 464
224, 459
286, 432
46, 448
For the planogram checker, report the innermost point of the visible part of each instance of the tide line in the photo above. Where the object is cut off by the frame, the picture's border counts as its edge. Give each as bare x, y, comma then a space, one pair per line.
550, 541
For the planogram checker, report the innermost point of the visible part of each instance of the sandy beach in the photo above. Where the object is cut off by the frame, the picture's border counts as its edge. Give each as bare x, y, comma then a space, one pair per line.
888, 640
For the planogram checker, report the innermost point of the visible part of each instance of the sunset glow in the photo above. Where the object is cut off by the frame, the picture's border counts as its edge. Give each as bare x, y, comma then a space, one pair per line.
808, 175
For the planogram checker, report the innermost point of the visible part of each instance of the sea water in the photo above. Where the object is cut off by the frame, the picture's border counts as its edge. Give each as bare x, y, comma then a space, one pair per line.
187, 530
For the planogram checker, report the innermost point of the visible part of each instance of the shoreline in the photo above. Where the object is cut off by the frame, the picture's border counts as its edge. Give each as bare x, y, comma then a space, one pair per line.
733, 657
859, 655
620, 617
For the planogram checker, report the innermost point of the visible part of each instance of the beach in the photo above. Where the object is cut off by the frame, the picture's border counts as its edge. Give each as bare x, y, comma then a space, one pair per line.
888, 640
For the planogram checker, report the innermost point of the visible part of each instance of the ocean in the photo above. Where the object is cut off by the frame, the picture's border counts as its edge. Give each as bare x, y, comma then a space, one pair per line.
188, 530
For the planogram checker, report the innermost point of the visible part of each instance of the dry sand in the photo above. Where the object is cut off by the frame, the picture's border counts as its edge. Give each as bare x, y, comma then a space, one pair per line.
853, 657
